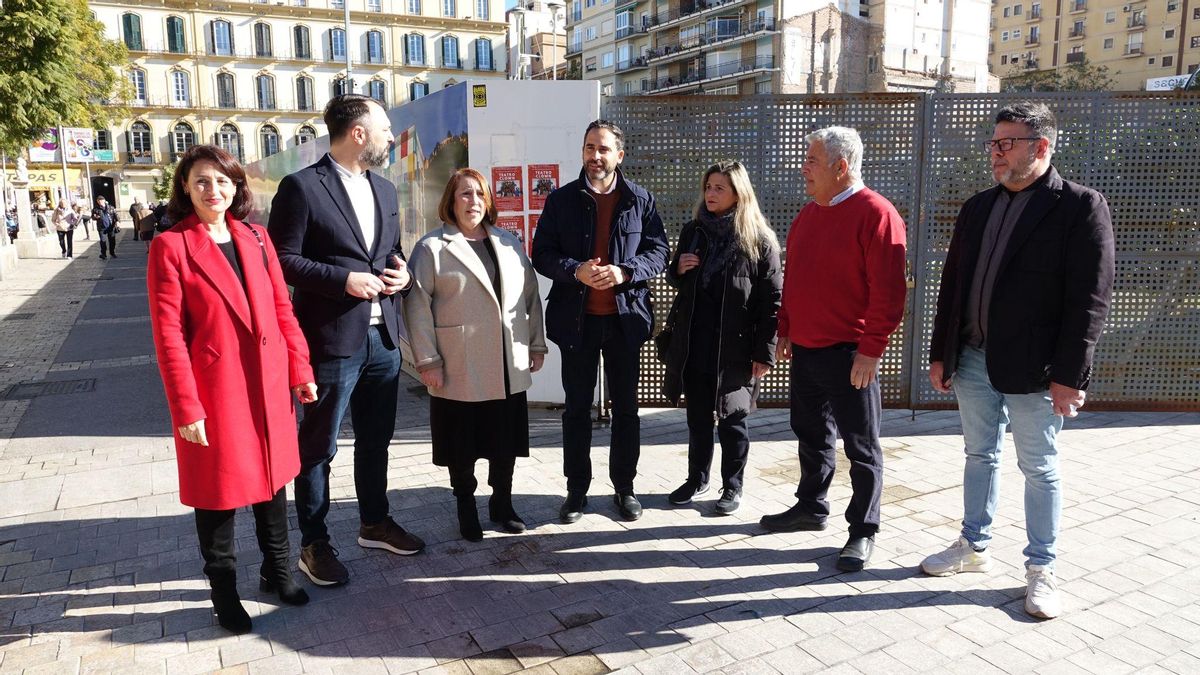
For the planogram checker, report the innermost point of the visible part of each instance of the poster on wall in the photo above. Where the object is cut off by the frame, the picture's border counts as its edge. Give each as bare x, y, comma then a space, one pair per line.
45, 149
514, 224
531, 228
543, 179
78, 144
506, 185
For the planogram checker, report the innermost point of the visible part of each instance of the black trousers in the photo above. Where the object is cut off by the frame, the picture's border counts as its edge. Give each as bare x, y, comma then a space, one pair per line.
108, 241
216, 538
601, 334
500, 476
66, 242
823, 404
700, 392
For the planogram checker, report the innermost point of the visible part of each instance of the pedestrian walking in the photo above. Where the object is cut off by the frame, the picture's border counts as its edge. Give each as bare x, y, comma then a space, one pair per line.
231, 355
107, 227
722, 327
474, 319
843, 296
1025, 294
337, 227
62, 219
144, 223
600, 240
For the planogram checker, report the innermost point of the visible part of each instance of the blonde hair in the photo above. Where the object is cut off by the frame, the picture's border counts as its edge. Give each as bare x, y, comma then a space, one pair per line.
750, 226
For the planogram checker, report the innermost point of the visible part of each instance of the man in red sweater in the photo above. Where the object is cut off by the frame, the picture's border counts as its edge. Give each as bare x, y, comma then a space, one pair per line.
843, 295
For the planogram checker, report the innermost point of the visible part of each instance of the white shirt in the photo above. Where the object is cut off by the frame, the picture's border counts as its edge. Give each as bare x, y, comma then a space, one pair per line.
362, 199
847, 193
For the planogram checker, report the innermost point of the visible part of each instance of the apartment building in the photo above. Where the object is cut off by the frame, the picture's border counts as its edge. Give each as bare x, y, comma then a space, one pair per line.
1136, 41
254, 76
780, 46
539, 27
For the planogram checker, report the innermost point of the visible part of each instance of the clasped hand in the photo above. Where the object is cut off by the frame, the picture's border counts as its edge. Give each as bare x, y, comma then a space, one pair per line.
368, 286
591, 273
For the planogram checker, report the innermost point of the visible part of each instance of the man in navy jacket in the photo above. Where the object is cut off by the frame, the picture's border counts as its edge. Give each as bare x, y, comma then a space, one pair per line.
337, 229
600, 240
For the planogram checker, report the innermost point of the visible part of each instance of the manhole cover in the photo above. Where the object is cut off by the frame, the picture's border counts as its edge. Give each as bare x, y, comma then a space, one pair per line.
25, 316
26, 390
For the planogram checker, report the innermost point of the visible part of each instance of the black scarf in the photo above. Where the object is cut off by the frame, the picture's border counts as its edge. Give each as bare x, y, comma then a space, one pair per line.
722, 246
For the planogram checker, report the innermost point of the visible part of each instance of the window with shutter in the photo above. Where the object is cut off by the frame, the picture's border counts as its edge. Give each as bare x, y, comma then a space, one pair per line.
176, 42
132, 27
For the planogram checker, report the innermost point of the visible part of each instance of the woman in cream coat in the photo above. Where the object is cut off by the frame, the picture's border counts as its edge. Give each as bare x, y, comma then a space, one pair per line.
475, 323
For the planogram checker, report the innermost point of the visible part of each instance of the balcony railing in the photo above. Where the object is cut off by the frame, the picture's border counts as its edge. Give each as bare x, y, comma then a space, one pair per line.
631, 30
729, 69
632, 64
1032, 40
1076, 57
193, 104
1078, 6
574, 48
1034, 15
1133, 50
688, 8
1076, 33
738, 30
1135, 22
1031, 64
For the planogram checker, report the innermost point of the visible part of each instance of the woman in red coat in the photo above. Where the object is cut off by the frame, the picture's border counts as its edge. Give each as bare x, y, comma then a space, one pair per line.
231, 355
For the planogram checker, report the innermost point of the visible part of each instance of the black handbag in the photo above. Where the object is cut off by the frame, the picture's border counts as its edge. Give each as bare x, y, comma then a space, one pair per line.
662, 341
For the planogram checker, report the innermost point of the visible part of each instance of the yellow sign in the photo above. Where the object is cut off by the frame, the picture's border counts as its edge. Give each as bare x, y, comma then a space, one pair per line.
45, 179
479, 94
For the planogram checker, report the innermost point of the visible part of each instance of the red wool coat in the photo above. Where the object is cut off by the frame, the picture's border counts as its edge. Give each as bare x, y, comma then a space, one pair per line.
229, 356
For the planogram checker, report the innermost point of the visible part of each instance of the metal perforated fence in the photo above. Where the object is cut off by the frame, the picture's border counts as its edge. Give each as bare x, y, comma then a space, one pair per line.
1141, 150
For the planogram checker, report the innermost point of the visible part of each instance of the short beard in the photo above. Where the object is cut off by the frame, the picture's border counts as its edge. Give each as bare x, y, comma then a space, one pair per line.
373, 156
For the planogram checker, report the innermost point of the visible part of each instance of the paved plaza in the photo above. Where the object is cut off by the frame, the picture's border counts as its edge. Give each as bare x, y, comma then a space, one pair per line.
102, 573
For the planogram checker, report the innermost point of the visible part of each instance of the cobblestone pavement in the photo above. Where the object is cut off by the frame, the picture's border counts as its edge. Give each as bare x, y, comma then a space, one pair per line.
101, 570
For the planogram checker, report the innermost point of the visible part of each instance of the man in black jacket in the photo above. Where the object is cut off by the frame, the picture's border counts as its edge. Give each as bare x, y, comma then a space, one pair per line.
105, 215
1025, 294
600, 240
337, 229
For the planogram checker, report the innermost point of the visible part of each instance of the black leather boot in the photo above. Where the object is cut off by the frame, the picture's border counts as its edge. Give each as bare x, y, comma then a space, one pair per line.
226, 603
468, 519
500, 512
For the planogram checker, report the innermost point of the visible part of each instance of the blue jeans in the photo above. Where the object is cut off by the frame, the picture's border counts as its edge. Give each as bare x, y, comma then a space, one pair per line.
579, 366
367, 383
985, 413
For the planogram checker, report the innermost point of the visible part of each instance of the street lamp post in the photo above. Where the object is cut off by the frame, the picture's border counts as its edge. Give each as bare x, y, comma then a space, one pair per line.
554, 37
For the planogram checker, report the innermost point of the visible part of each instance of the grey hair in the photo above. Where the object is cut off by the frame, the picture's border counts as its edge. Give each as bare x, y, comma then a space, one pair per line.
841, 143
1037, 116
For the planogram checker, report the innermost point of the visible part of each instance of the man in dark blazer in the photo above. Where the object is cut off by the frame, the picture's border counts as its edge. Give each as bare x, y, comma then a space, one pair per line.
1025, 294
337, 230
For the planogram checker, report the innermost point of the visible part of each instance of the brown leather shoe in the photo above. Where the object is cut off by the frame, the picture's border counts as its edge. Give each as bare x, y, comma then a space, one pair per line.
389, 536
319, 562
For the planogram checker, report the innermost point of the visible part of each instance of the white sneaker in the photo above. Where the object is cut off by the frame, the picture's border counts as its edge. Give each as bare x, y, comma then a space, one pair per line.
960, 557
1041, 595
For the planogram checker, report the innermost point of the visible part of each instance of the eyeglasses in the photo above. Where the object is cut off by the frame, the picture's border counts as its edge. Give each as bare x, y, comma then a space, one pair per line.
1006, 144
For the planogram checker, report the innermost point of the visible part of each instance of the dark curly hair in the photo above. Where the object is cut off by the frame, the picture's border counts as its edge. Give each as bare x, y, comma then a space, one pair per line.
180, 206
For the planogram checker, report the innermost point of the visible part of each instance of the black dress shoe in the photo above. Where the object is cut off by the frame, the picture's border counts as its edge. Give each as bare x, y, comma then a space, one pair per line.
795, 519
572, 508
628, 505
856, 554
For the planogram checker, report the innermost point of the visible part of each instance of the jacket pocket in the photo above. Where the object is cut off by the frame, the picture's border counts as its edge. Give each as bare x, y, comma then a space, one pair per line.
451, 345
207, 356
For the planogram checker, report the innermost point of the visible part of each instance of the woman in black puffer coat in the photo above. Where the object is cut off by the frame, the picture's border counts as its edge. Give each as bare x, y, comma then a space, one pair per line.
726, 268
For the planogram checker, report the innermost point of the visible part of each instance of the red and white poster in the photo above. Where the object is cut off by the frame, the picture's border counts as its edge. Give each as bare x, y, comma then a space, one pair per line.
514, 224
533, 222
543, 179
507, 188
